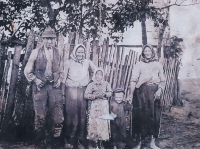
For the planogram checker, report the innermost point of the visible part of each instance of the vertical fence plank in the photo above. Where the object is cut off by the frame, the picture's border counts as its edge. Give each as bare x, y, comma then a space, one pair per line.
117, 67
120, 68
113, 66
108, 63
124, 71
129, 73
112, 56
128, 68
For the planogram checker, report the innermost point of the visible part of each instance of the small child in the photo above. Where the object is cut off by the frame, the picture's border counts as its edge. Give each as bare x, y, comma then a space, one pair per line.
119, 108
97, 94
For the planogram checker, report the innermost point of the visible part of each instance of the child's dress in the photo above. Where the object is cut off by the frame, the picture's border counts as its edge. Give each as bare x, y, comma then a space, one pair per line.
98, 128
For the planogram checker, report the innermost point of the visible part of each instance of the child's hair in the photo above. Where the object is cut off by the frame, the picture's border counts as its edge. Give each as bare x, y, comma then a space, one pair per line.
118, 90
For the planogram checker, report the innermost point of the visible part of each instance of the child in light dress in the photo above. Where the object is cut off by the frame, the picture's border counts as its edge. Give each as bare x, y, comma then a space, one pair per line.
98, 126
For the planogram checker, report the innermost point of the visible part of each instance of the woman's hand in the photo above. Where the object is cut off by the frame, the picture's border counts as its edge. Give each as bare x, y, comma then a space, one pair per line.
157, 94
57, 83
129, 98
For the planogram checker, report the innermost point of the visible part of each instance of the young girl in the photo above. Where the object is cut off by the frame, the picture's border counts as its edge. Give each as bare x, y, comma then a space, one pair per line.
98, 93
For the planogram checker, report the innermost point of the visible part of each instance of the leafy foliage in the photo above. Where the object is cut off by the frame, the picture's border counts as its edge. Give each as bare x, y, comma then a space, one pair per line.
85, 16
175, 48
126, 12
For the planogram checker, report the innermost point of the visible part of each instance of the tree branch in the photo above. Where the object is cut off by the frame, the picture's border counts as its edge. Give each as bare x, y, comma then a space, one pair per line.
175, 4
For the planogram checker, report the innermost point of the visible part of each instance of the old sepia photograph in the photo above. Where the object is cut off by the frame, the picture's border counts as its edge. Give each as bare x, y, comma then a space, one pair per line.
99, 74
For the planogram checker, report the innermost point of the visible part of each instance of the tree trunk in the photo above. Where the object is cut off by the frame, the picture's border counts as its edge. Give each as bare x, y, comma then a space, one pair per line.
160, 39
20, 96
144, 32
161, 33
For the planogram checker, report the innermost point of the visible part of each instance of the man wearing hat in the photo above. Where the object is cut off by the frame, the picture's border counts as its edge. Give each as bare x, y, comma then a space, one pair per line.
43, 71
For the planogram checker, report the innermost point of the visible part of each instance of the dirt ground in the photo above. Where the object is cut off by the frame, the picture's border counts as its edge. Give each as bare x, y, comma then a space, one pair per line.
180, 129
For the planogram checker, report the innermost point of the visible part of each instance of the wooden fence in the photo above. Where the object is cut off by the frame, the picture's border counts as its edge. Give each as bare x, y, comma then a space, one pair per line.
116, 63
16, 102
171, 70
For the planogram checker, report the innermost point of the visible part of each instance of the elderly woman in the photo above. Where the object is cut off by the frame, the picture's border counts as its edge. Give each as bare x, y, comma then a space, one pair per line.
147, 84
76, 78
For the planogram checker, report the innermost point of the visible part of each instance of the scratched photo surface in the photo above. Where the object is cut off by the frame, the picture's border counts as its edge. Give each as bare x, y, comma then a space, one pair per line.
99, 74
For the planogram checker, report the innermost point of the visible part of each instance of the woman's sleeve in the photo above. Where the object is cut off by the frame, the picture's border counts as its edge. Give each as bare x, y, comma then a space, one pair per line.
135, 73
161, 77
92, 65
88, 92
108, 90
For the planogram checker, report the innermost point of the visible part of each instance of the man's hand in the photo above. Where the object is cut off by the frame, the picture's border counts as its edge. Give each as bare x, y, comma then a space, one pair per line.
57, 83
157, 94
39, 83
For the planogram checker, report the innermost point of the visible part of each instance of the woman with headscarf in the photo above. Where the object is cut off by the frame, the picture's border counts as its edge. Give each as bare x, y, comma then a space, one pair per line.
97, 94
76, 78
147, 84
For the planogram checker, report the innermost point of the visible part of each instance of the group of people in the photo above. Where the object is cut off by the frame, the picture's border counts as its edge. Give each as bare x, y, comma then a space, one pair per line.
93, 114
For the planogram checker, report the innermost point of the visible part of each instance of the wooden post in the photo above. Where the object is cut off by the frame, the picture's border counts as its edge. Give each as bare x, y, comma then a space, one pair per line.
106, 53
2, 60
95, 52
87, 50
21, 98
66, 52
12, 88
4, 85
77, 38
103, 54
60, 44
39, 42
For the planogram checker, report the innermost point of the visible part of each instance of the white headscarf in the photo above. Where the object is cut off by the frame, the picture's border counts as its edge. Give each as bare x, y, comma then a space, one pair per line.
94, 79
73, 54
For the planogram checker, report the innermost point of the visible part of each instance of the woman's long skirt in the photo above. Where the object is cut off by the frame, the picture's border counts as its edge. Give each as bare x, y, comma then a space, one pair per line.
146, 111
75, 112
